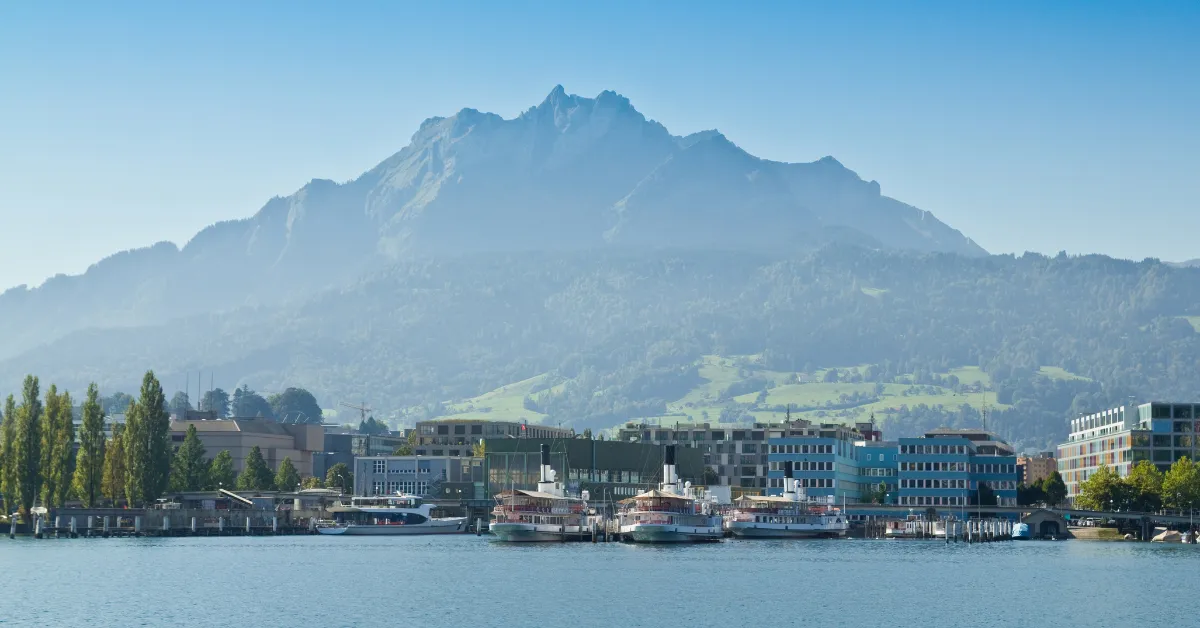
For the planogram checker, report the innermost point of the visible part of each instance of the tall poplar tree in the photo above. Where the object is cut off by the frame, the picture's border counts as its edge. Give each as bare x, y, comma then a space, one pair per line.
89, 464
287, 478
256, 475
27, 448
113, 477
147, 443
8, 441
189, 469
58, 439
220, 472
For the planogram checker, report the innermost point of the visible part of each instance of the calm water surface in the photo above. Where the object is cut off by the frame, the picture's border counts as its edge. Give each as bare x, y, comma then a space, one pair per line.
470, 581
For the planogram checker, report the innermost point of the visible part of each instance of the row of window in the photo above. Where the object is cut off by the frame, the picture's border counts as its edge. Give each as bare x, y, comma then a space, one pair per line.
924, 500
998, 485
934, 466
804, 465
941, 450
801, 449
391, 488
805, 482
875, 472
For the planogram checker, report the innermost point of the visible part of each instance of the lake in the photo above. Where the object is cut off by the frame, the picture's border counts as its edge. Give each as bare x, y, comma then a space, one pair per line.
472, 581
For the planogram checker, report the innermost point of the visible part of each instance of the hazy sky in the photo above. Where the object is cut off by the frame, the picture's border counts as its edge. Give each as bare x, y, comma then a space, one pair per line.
1041, 126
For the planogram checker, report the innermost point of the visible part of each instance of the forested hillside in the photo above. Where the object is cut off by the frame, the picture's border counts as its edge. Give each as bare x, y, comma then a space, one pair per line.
618, 335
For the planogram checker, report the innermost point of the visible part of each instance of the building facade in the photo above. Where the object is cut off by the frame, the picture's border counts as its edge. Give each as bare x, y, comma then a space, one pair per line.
951, 468
824, 459
433, 477
1121, 437
457, 437
1034, 469
734, 455
878, 463
608, 470
275, 441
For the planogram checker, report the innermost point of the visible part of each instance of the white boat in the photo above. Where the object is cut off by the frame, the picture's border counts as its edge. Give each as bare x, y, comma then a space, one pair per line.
671, 513
389, 515
547, 514
788, 516
913, 527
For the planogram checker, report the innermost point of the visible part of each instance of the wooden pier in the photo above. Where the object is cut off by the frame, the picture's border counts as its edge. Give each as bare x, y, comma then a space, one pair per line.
168, 523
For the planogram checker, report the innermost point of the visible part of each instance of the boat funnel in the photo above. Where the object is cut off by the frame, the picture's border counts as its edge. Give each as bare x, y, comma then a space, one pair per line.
546, 472
789, 482
669, 476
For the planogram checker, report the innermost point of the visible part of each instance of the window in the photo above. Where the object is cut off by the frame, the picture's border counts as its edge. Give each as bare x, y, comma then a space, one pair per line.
379, 466
443, 430
460, 429
476, 429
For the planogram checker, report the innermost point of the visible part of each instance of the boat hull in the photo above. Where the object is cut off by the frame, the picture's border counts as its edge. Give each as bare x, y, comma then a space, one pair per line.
533, 533
445, 526
761, 531
665, 533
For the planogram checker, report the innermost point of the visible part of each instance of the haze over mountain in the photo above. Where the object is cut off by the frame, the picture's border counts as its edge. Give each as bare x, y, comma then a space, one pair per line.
580, 264
572, 173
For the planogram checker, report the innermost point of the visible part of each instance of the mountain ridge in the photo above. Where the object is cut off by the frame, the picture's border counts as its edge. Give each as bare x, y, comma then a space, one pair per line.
571, 173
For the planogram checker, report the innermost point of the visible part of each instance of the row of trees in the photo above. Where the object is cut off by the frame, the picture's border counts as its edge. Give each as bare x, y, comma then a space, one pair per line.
39, 463
1145, 489
37, 445
296, 405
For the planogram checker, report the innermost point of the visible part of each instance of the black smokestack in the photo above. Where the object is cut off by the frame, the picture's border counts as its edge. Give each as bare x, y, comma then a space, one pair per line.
669, 456
545, 455
787, 469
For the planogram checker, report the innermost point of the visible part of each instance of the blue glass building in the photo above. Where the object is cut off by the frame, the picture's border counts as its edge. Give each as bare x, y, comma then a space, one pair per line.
823, 457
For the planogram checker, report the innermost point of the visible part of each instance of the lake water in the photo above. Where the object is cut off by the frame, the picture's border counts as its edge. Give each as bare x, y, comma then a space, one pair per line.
471, 581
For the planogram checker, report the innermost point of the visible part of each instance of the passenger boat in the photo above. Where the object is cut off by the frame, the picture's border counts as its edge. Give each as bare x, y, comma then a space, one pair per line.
787, 516
389, 515
547, 514
1020, 532
913, 527
671, 513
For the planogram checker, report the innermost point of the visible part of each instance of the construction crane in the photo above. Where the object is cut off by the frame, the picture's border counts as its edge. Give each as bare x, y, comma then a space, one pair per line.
363, 409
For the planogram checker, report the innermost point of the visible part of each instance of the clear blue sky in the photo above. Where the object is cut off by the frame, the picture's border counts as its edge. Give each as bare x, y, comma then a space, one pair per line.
1040, 126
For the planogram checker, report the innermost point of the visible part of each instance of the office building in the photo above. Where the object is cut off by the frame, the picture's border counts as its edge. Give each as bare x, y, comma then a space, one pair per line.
1121, 437
824, 459
952, 467
433, 477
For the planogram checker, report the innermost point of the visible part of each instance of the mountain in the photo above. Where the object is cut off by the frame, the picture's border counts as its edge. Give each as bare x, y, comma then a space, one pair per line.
618, 334
571, 174
1192, 263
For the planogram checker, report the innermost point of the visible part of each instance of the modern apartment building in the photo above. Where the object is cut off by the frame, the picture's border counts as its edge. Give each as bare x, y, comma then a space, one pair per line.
436, 477
1121, 437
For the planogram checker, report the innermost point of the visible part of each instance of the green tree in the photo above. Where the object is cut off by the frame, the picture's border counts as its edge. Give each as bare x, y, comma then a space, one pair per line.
215, 400
58, 440
1029, 495
27, 451
220, 471
249, 404
286, 478
189, 467
984, 495
1054, 489
403, 450
89, 465
115, 476
8, 443
1100, 491
373, 427
180, 404
147, 443
296, 405
339, 476
312, 482
1144, 486
256, 475
1181, 485
479, 449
